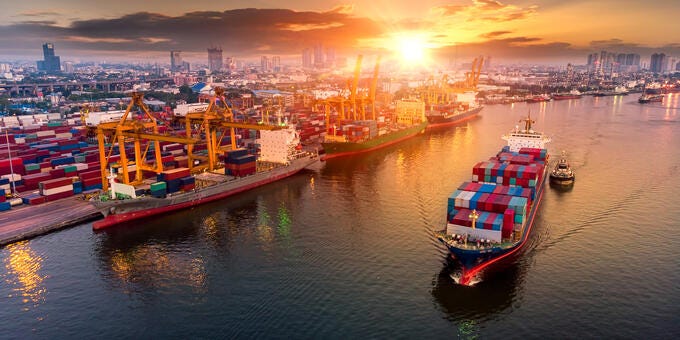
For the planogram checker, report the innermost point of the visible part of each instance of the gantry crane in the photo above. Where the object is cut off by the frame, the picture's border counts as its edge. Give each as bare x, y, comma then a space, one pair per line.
135, 131
215, 123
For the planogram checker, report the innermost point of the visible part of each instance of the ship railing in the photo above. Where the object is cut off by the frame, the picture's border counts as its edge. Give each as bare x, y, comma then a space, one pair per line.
468, 243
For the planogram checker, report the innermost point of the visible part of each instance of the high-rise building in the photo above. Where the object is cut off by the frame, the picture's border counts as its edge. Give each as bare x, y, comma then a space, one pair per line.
330, 57
215, 59
229, 64
276, 63
68, 67
318, 56
175, 61
487, 63
50, 62
265, 64
307, 58
657, 63
632, 59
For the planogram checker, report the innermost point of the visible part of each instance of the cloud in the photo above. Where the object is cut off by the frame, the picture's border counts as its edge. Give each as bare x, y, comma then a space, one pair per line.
343, 9
448, 10
485, 10
251, 32
489, 4
240, 32
494, 34
39, 13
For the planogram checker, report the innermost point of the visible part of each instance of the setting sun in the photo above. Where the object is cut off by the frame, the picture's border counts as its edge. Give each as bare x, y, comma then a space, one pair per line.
412, 48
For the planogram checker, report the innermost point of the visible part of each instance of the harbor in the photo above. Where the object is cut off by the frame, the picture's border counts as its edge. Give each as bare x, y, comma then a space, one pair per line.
348, 248
324, 170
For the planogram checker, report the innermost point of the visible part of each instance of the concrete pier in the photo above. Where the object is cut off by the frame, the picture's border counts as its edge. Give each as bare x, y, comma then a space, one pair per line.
26, 221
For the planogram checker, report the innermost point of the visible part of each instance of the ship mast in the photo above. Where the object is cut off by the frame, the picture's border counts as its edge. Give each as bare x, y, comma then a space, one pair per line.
527, 122
11, 167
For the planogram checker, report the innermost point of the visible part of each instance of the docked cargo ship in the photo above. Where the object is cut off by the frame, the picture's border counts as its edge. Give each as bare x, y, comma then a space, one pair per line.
573, 94
650, 98
367, 135
490, 218
539, 98
441, 115
617, 91
175, 189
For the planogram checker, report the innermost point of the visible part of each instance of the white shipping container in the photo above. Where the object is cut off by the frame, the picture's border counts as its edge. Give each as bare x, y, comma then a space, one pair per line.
57, 190
45, 133
12, 177
64, 135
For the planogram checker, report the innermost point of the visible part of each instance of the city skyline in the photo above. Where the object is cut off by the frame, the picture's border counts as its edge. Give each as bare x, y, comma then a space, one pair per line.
511, 31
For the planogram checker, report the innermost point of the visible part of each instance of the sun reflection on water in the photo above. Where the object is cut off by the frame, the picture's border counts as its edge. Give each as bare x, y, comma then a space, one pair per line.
23, 267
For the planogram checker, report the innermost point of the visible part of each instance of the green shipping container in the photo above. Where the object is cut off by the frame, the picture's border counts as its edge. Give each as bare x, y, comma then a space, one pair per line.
158, 186
70, 169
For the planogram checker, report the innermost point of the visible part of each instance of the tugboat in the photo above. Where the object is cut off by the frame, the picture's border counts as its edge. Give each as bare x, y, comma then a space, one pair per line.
562, 173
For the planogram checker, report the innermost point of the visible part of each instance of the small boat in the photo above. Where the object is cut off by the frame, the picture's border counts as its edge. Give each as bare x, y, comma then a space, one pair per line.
562, 173
650, 98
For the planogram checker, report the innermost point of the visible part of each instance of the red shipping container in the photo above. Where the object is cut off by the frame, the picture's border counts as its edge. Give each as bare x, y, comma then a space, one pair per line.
57, 173
91, 181
55, 183
508, 222
90, 174
37, 199
176, 173
58, 196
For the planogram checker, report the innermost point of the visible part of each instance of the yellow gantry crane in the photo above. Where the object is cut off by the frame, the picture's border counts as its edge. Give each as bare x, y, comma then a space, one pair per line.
354, 107
213, 125
136, 131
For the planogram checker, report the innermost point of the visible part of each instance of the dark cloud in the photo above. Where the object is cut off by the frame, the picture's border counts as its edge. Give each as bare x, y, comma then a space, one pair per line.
250, 32
240, 32
495, 34
530, 49
38, 14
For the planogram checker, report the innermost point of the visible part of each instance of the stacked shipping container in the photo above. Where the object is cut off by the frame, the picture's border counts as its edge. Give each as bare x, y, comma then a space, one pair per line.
501, 191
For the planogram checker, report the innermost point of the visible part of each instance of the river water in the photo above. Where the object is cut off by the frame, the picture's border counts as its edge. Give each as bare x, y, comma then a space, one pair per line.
346, 251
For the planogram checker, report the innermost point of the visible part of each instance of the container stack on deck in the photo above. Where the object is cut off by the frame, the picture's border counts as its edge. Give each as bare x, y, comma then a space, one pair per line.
239, 163
501, 191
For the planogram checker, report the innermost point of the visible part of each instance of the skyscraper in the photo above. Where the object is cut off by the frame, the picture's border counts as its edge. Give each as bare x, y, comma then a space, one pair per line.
276, 63
657, 64
215, 59
318, 56
265, 64
51, 63
175, 61
330, 57
307, 58
229, 64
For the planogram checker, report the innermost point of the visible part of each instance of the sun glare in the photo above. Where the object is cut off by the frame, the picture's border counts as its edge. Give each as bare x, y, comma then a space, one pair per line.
412, 48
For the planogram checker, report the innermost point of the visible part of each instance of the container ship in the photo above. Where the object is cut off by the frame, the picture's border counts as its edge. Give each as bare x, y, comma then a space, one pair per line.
443, 115
490, 218
359, 136
177, 188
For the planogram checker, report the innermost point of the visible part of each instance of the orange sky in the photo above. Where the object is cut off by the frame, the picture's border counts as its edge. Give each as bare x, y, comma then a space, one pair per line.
514, 30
